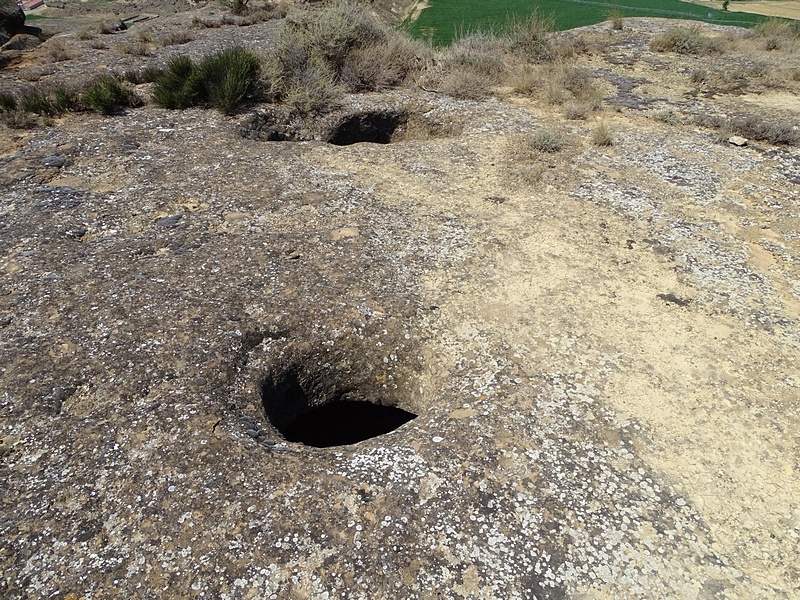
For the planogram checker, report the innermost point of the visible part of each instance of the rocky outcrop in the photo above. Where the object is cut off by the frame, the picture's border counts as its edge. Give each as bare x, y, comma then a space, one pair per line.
594, 349
12, 20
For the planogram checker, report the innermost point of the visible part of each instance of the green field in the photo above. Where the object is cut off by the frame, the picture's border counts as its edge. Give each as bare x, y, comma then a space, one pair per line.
445, 19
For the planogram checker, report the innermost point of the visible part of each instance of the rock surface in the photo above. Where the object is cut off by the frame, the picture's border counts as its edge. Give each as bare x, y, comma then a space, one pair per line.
603, 362
12, 20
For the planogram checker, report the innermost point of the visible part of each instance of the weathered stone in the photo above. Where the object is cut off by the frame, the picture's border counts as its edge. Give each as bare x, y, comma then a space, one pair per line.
602, 358
22, 41
737, 140
55, 162
12, 20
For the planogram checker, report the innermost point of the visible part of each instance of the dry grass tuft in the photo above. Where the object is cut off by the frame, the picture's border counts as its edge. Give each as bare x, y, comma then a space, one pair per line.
601, 135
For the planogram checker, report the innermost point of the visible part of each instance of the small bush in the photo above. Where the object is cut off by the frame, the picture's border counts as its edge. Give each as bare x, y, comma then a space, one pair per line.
601, 135
471, 66
46, 100
177, 87
545, 140
576, 111
65, 99
229, 77
684, 40
777, 34
106, 27
107, 95
525, 79
665, 115
617, 19
530, 37
223, 80
85, 34
58, 50
313, 89
36, 101
136, 48
466, 85
340, 45
8, 102
238, 7
480, 53
563, 83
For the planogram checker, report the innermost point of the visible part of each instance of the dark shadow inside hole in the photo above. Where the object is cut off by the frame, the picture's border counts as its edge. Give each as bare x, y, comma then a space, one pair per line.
375, 127
289, 403
345, 422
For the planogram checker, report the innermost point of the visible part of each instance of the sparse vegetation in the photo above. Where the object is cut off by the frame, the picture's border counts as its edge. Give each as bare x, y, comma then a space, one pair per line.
471, 66
142, 75
8, 102
684, 40
778, 34
18, 119
665, 115
755, 128
175, 37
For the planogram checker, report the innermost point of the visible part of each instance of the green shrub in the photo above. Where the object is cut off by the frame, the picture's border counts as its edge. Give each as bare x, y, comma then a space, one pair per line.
65, 99
223, 80
178, 86
107, 95
229, 77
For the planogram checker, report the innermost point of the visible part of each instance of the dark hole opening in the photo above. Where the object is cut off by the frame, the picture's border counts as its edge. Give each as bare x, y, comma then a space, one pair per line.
345, 422
375, 127
337, 422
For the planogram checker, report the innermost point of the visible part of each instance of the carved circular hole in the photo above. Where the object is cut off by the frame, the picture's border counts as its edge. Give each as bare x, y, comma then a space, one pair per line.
376, 127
